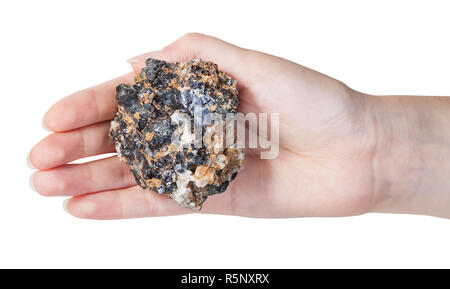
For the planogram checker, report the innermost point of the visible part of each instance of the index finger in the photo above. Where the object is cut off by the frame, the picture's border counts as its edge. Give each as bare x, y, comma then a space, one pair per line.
86, 107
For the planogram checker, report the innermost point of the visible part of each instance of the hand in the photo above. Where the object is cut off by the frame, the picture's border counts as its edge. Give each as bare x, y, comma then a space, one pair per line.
325, 167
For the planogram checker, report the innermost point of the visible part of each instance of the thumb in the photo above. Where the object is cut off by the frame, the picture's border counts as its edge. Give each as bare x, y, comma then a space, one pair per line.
230, 58
138, 62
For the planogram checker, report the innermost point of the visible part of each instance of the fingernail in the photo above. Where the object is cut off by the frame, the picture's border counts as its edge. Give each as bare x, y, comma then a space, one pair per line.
133, 60
29, 164
31, 182
43, 125
65, 203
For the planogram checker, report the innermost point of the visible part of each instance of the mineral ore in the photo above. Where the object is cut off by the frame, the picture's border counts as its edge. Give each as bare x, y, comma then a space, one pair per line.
163, 105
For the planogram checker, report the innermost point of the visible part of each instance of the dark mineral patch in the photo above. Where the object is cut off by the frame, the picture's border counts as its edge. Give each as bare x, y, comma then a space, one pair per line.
154, 111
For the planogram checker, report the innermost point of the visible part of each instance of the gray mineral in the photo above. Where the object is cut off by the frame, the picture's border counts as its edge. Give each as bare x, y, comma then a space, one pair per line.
154, 133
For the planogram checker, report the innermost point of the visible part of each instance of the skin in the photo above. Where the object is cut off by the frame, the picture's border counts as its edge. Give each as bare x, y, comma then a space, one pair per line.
342, 152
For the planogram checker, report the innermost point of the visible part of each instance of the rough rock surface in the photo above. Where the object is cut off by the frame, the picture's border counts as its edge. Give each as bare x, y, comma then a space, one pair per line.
150, 113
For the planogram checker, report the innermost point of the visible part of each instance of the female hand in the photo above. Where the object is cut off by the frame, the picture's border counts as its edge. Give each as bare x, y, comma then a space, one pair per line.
328, 164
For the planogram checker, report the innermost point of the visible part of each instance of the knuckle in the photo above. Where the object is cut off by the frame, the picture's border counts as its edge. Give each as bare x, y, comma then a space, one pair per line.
60, 153
188, 40
63, 186
188, 44
192, 37
150, 203
152, 209
125, 174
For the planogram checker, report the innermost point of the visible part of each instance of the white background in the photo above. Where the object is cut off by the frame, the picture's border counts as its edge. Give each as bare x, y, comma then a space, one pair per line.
50, 49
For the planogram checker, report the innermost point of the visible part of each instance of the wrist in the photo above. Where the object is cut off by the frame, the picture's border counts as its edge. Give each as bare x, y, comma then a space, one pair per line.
411, 165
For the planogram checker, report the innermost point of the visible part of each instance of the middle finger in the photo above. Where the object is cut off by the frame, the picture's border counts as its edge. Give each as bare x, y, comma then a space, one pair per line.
60, 148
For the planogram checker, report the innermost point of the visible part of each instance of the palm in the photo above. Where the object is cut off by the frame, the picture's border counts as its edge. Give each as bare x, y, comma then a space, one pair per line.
294, 186
320, 170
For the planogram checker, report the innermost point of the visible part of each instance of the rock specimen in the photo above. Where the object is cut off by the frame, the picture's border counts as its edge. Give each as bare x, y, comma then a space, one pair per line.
166, 103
